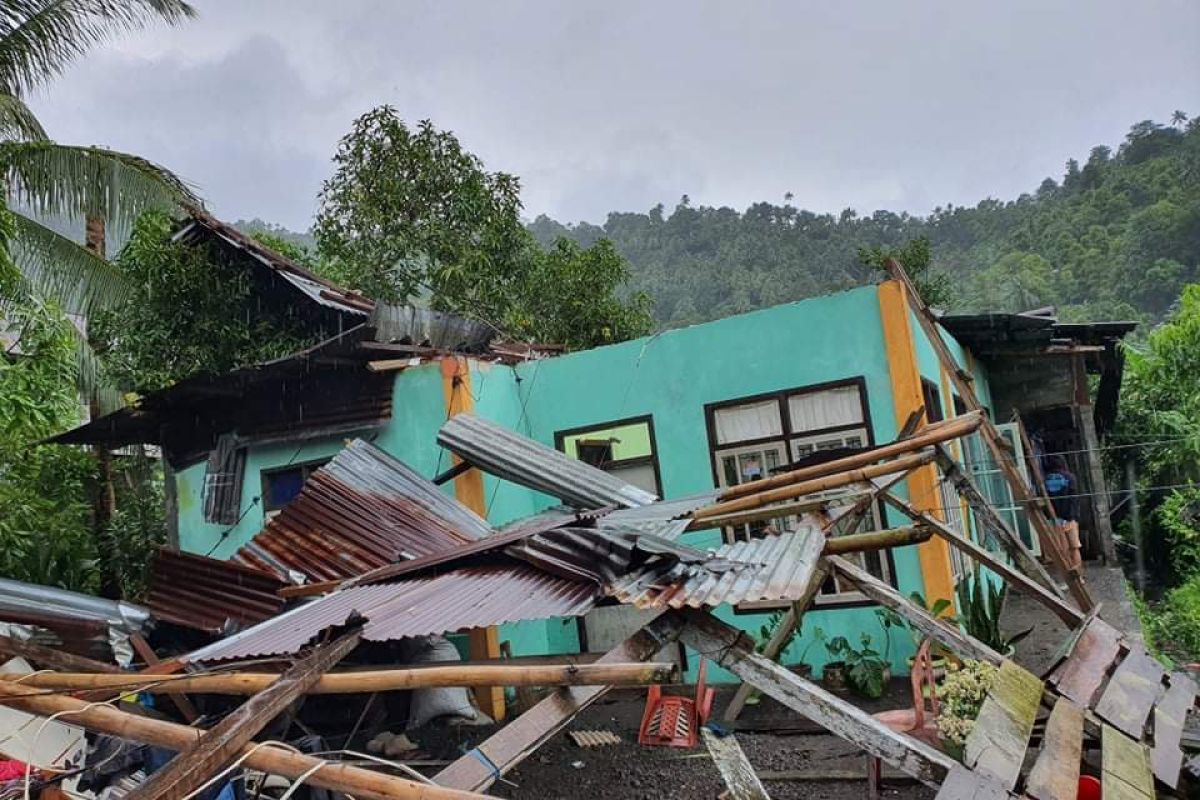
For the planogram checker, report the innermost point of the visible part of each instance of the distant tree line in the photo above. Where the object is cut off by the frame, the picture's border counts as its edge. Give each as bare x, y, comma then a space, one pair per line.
1117, 236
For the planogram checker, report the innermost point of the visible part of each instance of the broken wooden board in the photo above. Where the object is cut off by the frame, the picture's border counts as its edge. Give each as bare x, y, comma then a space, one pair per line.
998, 741
1131, 692
963, 784
1126, 767
1170, 713
734, 767
509, 746
1081, 675
1055, 774
734, 650
942, 631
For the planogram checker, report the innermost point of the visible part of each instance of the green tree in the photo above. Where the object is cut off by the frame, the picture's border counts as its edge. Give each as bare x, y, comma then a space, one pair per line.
188, 313
409, 210
411, 216
916, 257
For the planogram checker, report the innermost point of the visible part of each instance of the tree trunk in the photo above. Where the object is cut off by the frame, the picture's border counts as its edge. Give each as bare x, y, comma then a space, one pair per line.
104, 496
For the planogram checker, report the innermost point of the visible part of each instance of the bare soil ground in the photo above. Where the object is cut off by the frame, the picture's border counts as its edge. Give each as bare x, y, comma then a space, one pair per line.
560, 769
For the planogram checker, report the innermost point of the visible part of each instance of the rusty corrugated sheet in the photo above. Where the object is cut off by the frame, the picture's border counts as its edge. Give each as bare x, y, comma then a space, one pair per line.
363, 510
523, 461
465, 598
206, 594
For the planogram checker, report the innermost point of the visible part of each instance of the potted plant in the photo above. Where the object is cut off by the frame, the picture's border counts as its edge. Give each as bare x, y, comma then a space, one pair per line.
867, 672
833, 674
769, 629
979, 605
962, 692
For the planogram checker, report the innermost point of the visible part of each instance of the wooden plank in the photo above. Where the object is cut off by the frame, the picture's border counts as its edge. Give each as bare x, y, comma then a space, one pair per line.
1132, 692
1170, 713
219, 745
512, 744
1000, 737
1125, 765
990, 520
156, 666
791, 620
962, 784
1094, 653
48, 658
940, 630
734, 650
1051, 600
734, 767
1055, 774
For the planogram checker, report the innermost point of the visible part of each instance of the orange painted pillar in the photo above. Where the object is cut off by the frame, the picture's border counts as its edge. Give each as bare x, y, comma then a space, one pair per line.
468, 489
923, 490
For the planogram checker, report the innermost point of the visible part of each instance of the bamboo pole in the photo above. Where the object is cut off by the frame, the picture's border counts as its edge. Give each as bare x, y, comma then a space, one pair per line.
821, 484
361, 783
939, 432
877, 540
250, 683
773, 512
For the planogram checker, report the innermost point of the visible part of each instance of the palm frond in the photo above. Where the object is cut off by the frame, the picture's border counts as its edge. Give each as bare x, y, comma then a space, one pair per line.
39, 38
91, 379
57, 268
68, 180
17, 121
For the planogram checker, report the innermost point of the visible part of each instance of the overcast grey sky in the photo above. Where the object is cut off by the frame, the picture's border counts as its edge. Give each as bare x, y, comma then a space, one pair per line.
621, 105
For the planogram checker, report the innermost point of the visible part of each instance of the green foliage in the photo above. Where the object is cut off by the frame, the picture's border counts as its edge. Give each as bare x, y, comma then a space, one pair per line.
138, 527
191, 313
1179, 518
935, 288
44, 509
1172, 626
980, 602
1116, 238
409, 209
865, 667
409, 214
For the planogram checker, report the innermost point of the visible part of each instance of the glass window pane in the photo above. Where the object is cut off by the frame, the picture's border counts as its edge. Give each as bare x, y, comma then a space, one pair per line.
828, 408
749, 421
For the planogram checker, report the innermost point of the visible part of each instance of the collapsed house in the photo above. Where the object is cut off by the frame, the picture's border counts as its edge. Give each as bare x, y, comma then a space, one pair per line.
762, 432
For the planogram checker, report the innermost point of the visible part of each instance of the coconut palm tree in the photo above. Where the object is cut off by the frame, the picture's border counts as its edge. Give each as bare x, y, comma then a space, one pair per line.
46, 180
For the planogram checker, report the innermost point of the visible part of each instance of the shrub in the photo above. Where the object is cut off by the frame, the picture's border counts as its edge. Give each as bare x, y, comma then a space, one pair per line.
1173, 626
962, 692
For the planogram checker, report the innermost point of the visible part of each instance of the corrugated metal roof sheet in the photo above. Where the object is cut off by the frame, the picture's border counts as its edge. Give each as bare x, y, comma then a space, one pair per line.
363, 510
425, 327
773, 568
465, 598
18, 598
313, 286
523, 461
206, 594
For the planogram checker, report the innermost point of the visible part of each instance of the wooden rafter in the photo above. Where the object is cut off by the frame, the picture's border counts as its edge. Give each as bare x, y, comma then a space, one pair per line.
218, 746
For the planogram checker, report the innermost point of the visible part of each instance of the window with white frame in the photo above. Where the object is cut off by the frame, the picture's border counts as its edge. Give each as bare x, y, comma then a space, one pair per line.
756, 437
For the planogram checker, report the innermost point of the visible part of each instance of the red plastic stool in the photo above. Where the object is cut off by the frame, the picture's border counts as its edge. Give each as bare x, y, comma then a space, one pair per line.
672, 721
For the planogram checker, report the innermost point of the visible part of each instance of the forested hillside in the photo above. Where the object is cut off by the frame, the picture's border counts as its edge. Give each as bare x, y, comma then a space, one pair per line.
1117, 236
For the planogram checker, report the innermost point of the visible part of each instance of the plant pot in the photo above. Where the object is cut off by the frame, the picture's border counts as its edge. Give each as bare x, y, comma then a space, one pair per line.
803, 670
833, 677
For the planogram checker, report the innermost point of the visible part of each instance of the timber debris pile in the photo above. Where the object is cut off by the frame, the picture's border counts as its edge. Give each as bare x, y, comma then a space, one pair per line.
233, 679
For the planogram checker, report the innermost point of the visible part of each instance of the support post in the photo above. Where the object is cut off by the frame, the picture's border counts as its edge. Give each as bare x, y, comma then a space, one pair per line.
468, 490
512, 744
218, 746
156, 666
1135, 523
734, 651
